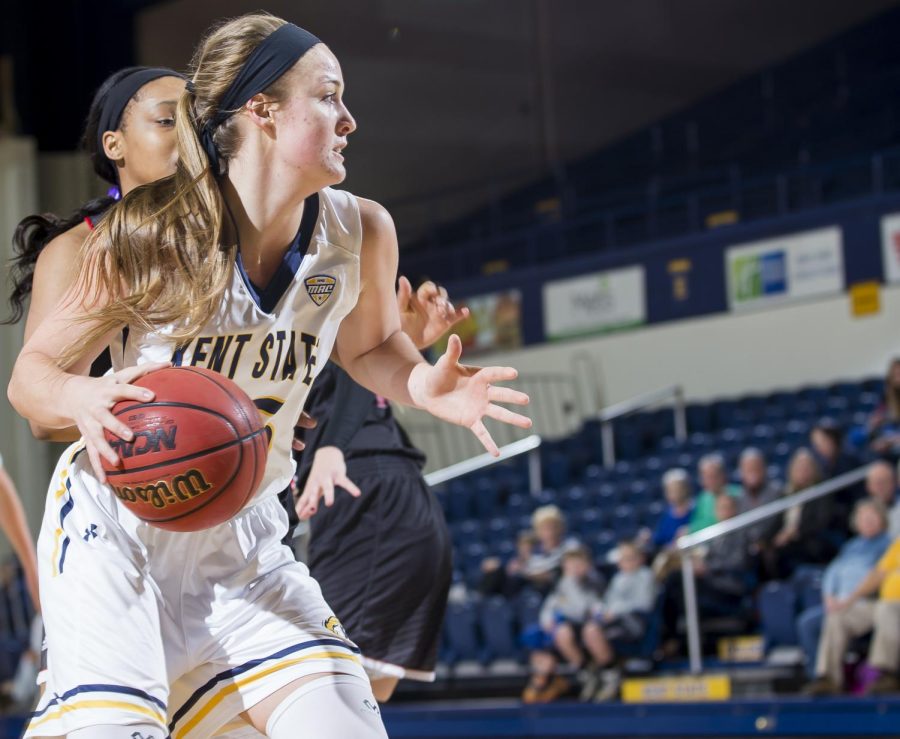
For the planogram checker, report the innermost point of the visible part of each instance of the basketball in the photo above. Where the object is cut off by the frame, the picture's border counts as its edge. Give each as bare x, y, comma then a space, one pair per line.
198, 452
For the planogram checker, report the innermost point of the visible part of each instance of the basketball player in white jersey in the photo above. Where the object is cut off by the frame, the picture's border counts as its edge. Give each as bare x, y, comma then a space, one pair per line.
244, 261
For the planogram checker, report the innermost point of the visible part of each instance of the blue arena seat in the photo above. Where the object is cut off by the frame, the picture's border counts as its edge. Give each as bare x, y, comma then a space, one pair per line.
777, 602
498, 627
461, 631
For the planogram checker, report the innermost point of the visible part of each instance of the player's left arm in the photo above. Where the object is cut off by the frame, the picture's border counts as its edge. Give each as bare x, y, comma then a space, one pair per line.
376, 353
15, 526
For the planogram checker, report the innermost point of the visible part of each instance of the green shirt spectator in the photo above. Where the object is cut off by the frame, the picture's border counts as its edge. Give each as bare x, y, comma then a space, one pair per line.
714, 479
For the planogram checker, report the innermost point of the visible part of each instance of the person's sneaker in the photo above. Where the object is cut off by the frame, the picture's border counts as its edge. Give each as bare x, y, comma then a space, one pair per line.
545, 691
884, 684
821, 686
609, 687
590, 681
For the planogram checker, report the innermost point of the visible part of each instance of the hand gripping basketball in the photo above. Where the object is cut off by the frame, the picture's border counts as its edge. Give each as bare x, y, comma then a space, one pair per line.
196, 453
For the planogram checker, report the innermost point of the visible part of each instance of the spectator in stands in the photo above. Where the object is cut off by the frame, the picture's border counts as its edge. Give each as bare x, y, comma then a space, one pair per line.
540, 569
508, 580
843, 576
714, 478
881, 485
549, 526
827, 442
857, 615
620, 618
721, 574
757, 491
562, 618
803, 537
675, 519
884, 424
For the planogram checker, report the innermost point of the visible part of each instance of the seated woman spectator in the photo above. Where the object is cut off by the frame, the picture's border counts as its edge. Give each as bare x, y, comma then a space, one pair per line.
721, 573
857, 615
620, 618
677, 515
802, 538
549, 526
883, 427
563, 615
881, 486
672, 524
757, 491
843, 576
826, 441
714, 478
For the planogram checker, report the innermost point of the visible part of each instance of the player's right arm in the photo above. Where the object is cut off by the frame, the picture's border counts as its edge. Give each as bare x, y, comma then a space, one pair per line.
50, 396
52, 279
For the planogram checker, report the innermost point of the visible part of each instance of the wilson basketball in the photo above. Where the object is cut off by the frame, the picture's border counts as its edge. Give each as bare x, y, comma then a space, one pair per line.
198, 453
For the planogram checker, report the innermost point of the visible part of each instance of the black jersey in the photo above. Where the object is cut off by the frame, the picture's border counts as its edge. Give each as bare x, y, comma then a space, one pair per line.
355, 420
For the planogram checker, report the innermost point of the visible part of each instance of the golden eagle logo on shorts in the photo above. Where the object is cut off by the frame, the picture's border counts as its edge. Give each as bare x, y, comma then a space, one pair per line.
319, 288
336, 628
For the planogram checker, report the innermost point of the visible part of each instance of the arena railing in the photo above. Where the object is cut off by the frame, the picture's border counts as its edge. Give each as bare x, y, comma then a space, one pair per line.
638, 403
742, 521
530, 445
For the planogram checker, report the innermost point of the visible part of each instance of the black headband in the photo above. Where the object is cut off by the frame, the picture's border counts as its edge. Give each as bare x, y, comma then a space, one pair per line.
274, 56
120, 95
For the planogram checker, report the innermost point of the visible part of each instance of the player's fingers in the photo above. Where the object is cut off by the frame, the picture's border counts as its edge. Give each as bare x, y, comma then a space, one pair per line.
348, 485
442, 293
306, 421
93, 434
499, 394
130, 392
328, 492
404, 293
297, 445
507, 416
95, 463
427, 291
484, 436
454, 350
130, 374
499, 374
115, 426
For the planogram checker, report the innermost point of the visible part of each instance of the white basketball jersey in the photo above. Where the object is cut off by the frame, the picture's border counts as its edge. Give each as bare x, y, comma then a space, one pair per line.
272, 342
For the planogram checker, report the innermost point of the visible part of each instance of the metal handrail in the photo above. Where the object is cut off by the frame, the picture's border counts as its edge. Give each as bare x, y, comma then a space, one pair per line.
639, 402
742, 521
529, 445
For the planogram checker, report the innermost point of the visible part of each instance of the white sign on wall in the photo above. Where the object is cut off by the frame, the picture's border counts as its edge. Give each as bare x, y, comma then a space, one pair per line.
784, 269
594, 303
890, 247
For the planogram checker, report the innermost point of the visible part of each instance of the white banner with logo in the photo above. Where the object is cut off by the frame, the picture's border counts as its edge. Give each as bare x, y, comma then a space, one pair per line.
784, 269
890, 247
594, 303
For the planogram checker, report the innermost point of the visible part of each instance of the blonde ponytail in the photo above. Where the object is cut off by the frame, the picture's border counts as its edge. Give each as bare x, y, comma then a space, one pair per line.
159, 257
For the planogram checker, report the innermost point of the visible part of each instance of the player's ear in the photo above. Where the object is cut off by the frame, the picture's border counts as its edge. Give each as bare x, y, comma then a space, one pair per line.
113, 145
259, 111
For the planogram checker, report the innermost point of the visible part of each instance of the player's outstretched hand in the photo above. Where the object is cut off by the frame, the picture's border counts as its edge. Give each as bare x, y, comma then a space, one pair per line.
427, 313
329, 470
465, 395
93, 399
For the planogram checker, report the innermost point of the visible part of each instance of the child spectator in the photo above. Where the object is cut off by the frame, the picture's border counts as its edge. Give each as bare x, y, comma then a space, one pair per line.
563, 614
620, 618
508, 580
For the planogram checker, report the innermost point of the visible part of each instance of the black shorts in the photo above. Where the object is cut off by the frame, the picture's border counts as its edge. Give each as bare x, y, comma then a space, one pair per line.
384, 562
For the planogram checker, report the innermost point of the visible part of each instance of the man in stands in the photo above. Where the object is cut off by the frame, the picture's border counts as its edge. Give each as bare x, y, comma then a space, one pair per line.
881, 485
857, 615
714, 479
757, 491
